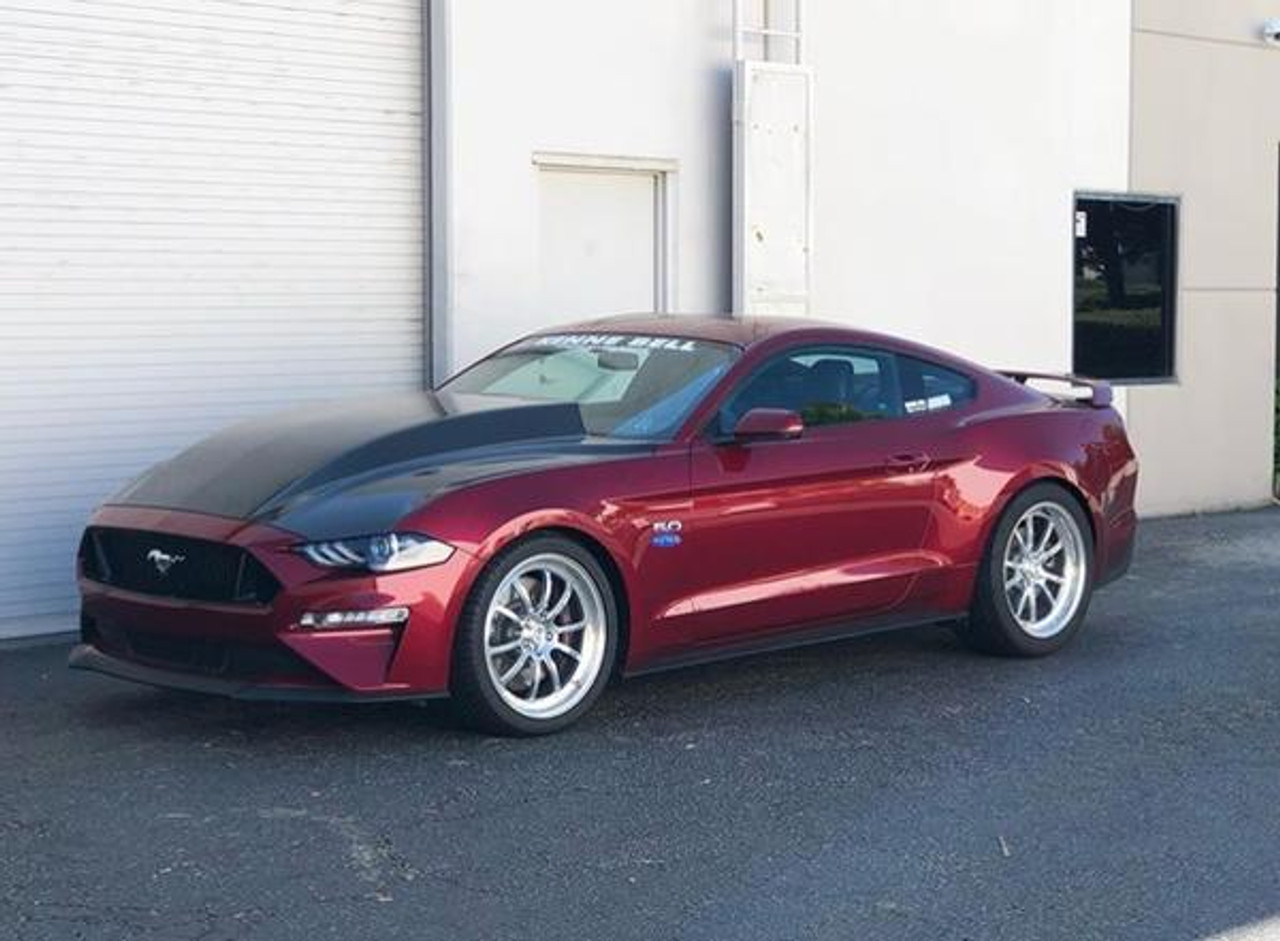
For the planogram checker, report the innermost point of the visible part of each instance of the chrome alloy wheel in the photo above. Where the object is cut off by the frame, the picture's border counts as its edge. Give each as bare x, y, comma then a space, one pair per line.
1045, 570
545, 635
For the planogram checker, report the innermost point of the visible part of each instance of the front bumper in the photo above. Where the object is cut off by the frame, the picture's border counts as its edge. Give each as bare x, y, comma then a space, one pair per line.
261, 651
89, 657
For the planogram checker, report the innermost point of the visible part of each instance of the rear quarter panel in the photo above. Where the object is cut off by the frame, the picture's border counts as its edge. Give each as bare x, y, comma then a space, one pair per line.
1007, 450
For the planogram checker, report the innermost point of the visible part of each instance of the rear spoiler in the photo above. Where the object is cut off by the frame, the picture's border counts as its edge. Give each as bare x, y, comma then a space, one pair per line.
1099, 390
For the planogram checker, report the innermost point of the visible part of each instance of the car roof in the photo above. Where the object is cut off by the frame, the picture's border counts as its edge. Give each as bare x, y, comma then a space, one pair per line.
726, 328
751, 331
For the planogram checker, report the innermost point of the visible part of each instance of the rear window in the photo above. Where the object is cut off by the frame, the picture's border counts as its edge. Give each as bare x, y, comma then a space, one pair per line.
928, 387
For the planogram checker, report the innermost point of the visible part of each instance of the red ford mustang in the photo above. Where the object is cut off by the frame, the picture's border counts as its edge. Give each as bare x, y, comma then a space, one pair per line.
610, 498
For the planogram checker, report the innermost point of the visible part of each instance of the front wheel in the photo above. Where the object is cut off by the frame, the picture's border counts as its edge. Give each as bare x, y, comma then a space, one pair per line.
1036, 580
536, 640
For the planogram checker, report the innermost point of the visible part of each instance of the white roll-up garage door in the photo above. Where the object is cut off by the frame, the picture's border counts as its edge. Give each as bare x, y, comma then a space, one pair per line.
207, 210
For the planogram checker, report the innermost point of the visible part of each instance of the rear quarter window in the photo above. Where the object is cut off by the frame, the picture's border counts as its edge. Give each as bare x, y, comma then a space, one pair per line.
928, 387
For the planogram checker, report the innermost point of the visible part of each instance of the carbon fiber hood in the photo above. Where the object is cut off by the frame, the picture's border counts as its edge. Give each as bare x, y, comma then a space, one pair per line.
356, 467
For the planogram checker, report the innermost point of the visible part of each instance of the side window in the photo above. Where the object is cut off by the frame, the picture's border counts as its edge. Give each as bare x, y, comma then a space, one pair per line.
928, 387
827, 386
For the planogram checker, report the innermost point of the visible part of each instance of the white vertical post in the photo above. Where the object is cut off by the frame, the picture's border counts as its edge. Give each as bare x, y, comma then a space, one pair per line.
799, 28
737, 31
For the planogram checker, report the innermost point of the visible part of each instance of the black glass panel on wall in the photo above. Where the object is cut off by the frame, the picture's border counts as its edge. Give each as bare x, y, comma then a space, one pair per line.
1125, 287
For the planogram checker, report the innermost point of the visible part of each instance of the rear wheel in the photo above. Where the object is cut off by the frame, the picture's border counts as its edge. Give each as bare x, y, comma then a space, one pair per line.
536, 639
1036, 580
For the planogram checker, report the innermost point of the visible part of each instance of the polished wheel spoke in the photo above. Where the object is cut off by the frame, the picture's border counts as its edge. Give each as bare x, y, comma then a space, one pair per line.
553, 671
505, 612
545, 601
505, 647
571, 628
534, 682
1049, 533
515, 668
558, 608
1022, 601
567, 651
523, 594
1048, 595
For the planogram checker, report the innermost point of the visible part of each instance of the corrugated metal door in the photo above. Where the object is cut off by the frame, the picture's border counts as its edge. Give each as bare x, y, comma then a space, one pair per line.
207, 210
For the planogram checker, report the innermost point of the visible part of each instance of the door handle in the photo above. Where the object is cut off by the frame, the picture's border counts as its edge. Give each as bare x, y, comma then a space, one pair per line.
909, 463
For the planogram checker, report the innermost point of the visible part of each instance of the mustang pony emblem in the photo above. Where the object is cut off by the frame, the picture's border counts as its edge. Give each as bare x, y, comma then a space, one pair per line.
163, 561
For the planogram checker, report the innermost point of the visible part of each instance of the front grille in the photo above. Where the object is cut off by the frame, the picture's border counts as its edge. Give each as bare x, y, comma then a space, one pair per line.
206, 656
175, 566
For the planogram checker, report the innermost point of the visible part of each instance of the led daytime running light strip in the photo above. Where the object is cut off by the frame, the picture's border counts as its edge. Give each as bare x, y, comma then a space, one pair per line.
377, 617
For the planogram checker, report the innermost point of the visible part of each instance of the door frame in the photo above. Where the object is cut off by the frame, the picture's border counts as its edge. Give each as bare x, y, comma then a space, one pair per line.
662, 170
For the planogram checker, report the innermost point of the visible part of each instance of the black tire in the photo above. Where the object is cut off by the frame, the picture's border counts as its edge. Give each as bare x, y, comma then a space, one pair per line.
475, 696
992, 626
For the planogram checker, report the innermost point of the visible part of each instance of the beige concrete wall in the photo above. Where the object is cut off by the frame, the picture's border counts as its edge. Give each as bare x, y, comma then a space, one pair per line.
1206, 126
949, 140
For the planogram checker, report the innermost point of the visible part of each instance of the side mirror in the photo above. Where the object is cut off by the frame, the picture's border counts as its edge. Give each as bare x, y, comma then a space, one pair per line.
764, 423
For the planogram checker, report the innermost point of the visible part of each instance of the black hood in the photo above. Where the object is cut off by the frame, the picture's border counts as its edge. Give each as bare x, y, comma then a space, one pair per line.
382, 458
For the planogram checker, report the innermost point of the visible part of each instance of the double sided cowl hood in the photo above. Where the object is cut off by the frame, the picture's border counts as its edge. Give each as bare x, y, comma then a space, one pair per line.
342, 469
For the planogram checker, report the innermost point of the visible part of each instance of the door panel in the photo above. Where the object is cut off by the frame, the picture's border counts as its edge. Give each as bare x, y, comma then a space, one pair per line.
826, 526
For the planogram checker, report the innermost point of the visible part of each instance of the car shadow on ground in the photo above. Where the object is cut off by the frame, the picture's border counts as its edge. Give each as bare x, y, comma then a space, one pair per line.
914, 663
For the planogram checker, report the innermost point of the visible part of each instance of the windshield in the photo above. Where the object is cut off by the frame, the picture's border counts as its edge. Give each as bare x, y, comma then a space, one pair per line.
627, 386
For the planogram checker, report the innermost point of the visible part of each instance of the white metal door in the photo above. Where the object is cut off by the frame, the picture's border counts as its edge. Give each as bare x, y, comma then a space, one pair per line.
601, 242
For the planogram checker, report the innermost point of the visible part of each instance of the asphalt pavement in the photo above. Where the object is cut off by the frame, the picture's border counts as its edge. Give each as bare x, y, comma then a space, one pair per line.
890, 787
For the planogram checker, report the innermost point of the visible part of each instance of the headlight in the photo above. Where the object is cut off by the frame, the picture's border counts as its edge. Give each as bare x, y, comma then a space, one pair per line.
388, 552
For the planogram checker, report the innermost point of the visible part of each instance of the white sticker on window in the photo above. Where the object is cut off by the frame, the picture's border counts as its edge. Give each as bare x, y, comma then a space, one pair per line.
614, 340
939, 401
